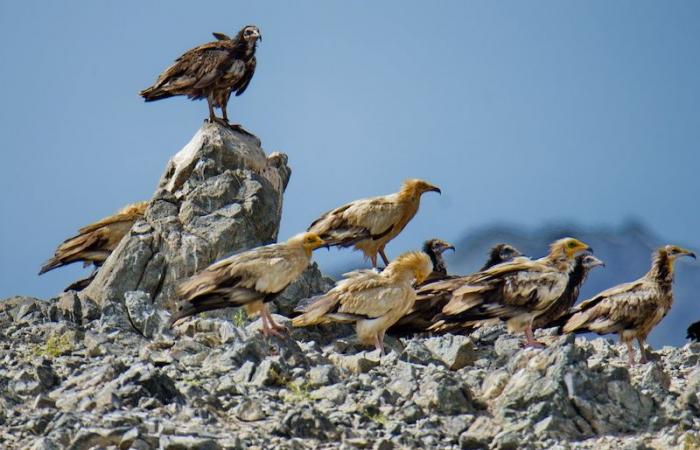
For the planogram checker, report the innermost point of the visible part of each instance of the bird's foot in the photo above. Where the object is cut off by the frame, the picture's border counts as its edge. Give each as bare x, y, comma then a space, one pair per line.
533, 344
267, 332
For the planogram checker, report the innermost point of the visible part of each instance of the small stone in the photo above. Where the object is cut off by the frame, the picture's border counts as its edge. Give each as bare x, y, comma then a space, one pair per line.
359, 363
250, 411
454, 351
187, 443
322, 375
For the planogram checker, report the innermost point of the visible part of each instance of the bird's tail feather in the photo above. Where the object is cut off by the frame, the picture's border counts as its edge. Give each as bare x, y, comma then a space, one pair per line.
51, 264
152, 94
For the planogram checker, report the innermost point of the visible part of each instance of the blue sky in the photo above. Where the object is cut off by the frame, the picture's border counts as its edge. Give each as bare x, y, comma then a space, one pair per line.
524, 112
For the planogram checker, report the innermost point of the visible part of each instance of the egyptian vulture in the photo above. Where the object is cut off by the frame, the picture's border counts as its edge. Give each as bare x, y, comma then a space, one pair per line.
633, 309
373, 300
250, 279
516, 291
550, 318
211, 71
95, 242
369, 224
434, 248
432, 295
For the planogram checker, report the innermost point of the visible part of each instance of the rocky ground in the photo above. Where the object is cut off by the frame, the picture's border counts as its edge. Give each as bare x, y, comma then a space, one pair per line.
73, 377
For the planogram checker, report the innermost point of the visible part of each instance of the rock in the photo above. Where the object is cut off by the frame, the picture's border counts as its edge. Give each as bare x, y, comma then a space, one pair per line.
307, 423
480, 434
250, 411
218, 195
444, 394
454, 351
359, 363
69, 307
322, 375
146, 319
188, 443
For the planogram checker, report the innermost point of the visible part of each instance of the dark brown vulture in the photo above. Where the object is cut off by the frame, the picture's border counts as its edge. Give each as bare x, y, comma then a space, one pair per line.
211, 71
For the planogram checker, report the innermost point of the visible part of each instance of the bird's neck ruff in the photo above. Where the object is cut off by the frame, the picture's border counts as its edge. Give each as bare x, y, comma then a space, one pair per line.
662, 269
409, 193
405, 267
561, 259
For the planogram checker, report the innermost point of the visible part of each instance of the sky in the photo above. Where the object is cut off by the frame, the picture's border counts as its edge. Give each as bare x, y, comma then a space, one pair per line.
522, 112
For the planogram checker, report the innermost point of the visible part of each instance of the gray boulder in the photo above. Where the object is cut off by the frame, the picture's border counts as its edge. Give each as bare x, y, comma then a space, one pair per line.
220, 194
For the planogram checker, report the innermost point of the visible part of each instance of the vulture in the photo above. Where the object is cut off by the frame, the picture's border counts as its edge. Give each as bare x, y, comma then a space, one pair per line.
551, 317
694, 331
369, 224
373, 300
432, 296
633, 309
434, 248
211, 71
95, 242
516, 291
250, 279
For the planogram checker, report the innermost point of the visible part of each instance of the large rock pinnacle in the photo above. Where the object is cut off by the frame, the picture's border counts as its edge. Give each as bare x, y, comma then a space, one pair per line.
220, 194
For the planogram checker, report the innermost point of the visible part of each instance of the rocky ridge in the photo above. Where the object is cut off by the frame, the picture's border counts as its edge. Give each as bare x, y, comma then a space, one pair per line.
70, 378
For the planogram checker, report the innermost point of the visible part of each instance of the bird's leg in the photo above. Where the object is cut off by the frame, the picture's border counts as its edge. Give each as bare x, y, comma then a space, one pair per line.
212, 115
530, 338
381, 341
267, 329
378, 344
273, 325
642, 351
630, 353
383, 255
224, 102
373, 259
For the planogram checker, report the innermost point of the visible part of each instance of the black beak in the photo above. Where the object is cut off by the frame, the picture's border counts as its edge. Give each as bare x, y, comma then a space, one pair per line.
260, 37
589, 249
692, 255
450, 247
436, 189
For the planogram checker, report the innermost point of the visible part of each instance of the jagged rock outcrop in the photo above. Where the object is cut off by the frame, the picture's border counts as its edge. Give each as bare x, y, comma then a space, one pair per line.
219, 194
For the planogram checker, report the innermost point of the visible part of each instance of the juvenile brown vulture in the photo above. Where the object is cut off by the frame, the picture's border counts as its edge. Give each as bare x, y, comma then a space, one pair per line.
211, 71
633, 309
433, 294
95, 242
434, 248
373, 300
550, 318
250, 279
516, 292
369, 224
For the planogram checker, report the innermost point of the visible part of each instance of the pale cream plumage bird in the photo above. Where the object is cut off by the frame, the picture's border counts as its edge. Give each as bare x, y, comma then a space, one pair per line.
373, 300
369, 224
516, 292
633, 309
250, 279
95, 242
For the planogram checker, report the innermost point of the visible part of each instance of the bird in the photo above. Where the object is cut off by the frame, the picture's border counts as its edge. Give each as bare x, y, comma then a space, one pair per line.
373, 300
550, 318
250, 279
435, 292
434, 248
516, 291
211, 71
633, 309
95, 242
694, 332
369, 224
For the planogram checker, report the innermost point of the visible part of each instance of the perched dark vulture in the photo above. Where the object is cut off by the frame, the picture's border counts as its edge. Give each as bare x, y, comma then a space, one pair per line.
434, 248
369, 224
633, 309
550, 318
516, 291
250, 279
694, 332
373, 300
211, 71
433, 295
95, 242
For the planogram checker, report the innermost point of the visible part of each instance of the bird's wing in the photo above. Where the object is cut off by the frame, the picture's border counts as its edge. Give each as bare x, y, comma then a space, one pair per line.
130, 213
621, 307
373, 301
361, 219
242, 85
221, 36
198, 67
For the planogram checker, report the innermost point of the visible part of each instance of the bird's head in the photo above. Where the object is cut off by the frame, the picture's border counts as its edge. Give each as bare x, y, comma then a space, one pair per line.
308, 241
417, 264
589, 261
437, 246
250, 33
415, 187
568, 247
504, 252
674, 251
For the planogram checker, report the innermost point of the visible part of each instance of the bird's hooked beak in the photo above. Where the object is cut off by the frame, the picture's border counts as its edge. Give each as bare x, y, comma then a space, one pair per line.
448, 247
435, 189
689, 253
596, 262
